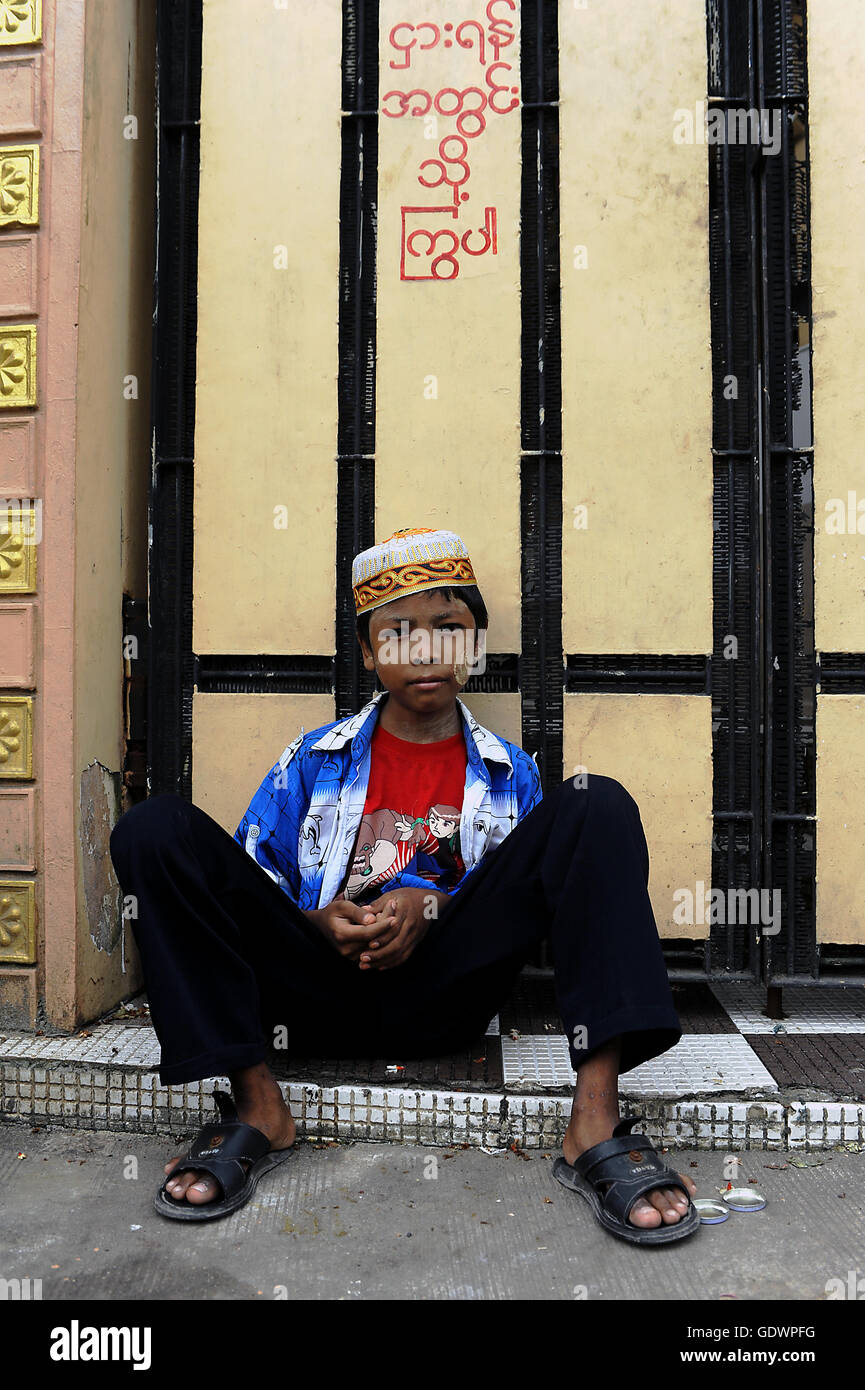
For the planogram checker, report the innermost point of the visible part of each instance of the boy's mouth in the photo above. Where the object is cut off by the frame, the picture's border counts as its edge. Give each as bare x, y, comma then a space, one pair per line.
428, 682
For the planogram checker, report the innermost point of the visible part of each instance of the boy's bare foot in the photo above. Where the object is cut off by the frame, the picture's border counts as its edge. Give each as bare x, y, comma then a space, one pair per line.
663, 1206
260, 1103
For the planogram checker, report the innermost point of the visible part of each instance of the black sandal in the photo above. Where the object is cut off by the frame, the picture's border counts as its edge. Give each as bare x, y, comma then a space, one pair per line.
629, 1163
217, 1150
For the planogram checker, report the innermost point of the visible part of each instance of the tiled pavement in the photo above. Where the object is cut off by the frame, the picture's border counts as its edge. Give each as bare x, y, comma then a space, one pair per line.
737, 1079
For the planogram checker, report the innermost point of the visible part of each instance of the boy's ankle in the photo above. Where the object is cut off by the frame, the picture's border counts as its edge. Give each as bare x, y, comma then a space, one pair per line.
256, 1084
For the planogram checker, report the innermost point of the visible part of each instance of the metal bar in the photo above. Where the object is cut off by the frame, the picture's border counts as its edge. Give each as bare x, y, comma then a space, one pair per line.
169, 695
758, 560
357, 327
731, 482
541, 672
794, 98
684, 974
790, 720
765, 593
855, 976
639, 673
735, 693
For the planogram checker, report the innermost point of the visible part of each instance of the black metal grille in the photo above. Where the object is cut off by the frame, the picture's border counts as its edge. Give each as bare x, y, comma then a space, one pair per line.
170, 678
789, 804
355, 498
541, 661
762, 692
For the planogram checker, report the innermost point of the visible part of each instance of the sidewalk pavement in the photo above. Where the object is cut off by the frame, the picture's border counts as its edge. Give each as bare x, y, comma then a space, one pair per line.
368, 1221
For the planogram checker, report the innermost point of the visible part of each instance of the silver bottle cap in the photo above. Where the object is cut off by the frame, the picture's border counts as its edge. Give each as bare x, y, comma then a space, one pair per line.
744, 1199
711, 1211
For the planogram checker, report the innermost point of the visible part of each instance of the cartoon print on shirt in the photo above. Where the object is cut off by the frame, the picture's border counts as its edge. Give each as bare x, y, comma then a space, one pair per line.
440, 852
389, 841
308, 840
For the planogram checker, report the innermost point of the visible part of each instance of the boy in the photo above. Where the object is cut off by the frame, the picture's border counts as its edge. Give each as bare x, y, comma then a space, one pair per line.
410, 867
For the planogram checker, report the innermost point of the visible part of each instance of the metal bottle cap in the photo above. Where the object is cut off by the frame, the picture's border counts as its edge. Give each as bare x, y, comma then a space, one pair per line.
711, 1210
744, 1199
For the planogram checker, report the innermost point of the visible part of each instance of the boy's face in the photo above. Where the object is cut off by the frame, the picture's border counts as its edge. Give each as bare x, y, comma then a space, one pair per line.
415, 642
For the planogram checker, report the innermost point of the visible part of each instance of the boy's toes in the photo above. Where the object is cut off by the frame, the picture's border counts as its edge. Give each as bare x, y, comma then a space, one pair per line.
644, 1214
662, 1205
203, 1189
177, 1186
195, 1187
676, 1204
672, 1202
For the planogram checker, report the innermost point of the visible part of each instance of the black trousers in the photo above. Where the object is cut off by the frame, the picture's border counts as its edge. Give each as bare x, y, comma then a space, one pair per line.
228, 956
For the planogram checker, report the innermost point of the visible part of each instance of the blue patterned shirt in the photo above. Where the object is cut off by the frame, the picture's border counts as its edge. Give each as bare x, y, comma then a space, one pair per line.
301, 824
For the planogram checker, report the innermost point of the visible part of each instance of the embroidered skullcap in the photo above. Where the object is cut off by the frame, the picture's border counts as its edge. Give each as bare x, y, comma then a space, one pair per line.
416, 558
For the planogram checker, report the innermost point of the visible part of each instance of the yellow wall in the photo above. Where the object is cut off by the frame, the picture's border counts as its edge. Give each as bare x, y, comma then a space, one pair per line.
636, 363
656, 746
448, 351
836, 76
836, 79
841, 818
268, 282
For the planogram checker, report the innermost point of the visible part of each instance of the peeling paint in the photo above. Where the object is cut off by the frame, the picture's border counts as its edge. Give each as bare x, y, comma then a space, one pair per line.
100, 811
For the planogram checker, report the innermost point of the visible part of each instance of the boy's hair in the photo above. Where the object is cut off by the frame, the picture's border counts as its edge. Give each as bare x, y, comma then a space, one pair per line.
469, 593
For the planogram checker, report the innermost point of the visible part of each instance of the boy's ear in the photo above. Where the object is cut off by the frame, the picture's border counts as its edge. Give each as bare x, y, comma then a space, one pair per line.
366, 653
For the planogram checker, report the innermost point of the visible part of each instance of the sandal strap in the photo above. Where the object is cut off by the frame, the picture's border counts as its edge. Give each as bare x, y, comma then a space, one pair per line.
228, 1141
631, 1166
225, 1105
621, 1195
614, 1146
227, 1172
219, 1148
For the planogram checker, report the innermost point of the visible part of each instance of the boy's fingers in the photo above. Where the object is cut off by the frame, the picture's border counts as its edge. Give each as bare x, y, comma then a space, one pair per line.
357, 931
388, 954
384, 937
385, 908
393, 923
386, 917
355, 912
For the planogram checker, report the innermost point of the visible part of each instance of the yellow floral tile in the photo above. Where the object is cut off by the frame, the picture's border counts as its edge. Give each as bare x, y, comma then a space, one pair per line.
20, 21
17, 921
17, 548
17, 364
16, 736
19, 185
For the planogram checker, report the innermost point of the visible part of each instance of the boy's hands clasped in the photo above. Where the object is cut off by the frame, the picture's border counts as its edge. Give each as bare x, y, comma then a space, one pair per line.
382, 934
403, 919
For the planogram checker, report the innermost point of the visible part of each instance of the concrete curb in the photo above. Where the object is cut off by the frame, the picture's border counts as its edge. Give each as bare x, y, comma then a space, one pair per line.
78, 1094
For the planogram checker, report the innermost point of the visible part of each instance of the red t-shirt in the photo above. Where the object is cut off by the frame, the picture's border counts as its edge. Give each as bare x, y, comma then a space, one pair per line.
411, 816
